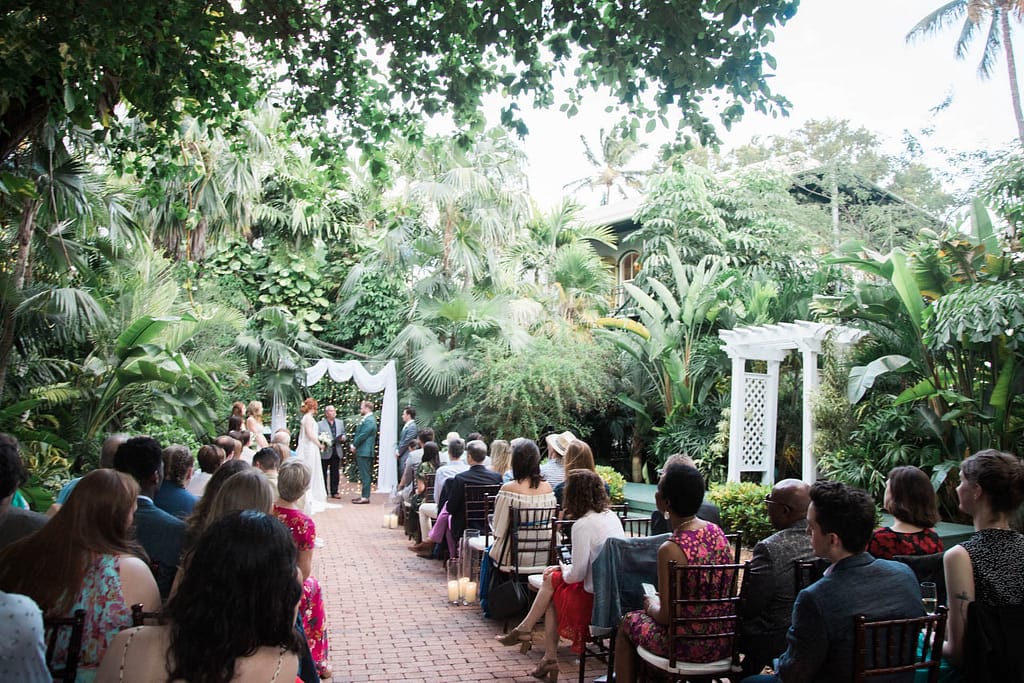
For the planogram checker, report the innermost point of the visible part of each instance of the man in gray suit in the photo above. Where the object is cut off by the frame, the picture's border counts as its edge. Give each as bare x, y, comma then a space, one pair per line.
407, 436
330, 457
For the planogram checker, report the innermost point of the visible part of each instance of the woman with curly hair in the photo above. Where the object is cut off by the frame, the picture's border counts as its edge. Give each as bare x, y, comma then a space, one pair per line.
232, 618
566, 598
85, 558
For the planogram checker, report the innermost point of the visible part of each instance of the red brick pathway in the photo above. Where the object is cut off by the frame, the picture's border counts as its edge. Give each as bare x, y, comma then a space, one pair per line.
387, 615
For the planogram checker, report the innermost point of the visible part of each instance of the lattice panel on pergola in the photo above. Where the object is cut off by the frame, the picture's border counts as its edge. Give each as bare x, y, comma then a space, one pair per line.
752, 455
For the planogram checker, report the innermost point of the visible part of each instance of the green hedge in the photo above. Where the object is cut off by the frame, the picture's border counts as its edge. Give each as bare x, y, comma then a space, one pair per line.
743, 509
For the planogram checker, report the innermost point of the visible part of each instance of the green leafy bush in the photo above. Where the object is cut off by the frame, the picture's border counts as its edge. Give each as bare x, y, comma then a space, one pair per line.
616, 483
743, 509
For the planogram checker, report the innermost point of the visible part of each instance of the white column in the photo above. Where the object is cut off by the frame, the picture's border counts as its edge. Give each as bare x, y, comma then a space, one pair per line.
736, 417
771, 418
811, 383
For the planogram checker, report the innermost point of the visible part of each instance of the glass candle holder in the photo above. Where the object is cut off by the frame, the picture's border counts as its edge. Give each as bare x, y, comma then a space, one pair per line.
452, 579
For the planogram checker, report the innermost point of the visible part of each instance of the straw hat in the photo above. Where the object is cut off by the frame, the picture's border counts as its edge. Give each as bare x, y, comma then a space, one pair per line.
559, 443
452, 436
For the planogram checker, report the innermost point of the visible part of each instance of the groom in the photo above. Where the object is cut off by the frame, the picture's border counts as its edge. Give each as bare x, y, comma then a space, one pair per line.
362, 446
330, 457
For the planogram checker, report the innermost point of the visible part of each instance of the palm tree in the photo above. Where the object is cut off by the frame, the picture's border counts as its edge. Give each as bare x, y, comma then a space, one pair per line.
998, 35
618, 148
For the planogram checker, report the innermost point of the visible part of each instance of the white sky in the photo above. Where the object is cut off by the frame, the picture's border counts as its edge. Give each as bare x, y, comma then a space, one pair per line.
835, 59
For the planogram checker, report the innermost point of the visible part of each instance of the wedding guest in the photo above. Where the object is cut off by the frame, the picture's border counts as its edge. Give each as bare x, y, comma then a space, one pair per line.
173, 496
820, 641
15, 523
527, 490
553, 471
986, 568
107, 451
910, 499
694, 541
254, 424
85, 558
293, 482
566, 597
161, 534
22, 648
232, 617
210, 457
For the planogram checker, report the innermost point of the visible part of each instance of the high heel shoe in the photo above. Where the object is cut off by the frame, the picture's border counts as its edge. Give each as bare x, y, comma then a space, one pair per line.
523, 638
547, 670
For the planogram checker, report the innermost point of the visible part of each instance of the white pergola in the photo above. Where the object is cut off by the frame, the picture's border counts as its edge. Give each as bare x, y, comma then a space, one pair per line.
755, 395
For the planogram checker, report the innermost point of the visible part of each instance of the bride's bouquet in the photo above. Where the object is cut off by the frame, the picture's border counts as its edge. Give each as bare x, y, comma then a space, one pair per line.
324, 438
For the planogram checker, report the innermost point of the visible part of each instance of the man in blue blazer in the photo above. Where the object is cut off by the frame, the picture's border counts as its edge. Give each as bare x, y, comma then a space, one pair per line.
840, 520
159, 533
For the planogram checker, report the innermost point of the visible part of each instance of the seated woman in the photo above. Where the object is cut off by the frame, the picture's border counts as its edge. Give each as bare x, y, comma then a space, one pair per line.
694, 541
578, 456
501, 459
527, 491
910, 499
232, 618
428, 465
292, 482
986, 568
85, 558
201, 513
566, 598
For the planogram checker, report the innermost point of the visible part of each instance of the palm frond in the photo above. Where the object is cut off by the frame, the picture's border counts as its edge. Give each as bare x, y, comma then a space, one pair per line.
938, 20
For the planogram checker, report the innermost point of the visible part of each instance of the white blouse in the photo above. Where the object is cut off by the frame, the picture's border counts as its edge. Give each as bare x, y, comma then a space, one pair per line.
588, 536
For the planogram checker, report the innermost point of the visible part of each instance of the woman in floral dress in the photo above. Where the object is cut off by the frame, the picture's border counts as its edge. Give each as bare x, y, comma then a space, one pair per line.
292, 481
694, 542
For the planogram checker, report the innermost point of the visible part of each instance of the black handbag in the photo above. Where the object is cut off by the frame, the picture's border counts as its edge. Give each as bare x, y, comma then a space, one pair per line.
507, 597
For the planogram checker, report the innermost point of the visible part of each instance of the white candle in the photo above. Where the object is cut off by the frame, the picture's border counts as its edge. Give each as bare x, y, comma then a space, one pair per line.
470, 595
453, 591
387, 517
392, 521
462, 586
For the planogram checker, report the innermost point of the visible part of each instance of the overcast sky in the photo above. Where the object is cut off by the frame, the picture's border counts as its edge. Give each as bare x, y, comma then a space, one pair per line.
835, 59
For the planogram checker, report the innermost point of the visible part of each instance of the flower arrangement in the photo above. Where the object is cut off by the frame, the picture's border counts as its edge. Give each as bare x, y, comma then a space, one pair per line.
324, 438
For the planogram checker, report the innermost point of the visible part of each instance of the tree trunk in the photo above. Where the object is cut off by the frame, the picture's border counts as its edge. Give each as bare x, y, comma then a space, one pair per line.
24, 243
1011, 67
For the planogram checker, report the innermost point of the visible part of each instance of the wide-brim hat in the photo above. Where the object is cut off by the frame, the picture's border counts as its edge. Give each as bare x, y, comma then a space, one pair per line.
559, 443
452, 436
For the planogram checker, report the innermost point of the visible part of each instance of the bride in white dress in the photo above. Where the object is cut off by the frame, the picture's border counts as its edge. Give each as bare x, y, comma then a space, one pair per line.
308, 452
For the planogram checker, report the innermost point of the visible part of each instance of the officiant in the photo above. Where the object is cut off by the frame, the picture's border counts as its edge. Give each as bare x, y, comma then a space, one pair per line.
330, 457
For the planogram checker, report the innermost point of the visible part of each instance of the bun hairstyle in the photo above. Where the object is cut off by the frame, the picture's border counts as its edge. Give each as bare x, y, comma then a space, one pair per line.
999, 474
309, 406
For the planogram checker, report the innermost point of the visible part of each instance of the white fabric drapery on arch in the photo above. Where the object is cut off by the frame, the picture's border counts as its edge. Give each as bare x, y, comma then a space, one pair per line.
386, 381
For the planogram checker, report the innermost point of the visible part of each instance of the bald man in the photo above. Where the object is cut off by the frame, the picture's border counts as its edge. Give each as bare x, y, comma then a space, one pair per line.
768, 589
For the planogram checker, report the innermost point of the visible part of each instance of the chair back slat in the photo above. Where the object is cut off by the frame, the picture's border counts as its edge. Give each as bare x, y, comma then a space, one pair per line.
736, 541
703, 602
806, 572
621, 509
479, 503
561, 538
636, 527
55, 628
428, 492
530, 530
890, 646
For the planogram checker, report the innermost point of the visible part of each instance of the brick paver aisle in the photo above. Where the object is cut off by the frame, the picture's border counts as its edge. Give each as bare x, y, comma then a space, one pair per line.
387, 614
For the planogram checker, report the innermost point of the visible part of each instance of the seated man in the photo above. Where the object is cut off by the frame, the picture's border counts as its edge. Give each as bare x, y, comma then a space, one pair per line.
173, 496
454, 496
160, 534
840, 520
15, 523
769, 588
210, 457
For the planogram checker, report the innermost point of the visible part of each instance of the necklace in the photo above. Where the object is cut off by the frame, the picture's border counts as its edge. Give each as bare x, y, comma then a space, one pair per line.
686, 520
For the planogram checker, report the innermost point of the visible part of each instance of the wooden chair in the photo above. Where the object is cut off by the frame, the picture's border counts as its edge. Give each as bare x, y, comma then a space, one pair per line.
890, 646
635, 527
479, 503
806, 572
736, 541
73, 626
428, 492
621, 509
529, 541
143, 618
703, 603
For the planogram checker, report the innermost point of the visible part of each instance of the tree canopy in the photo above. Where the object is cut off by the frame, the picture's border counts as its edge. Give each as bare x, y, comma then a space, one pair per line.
372, 69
